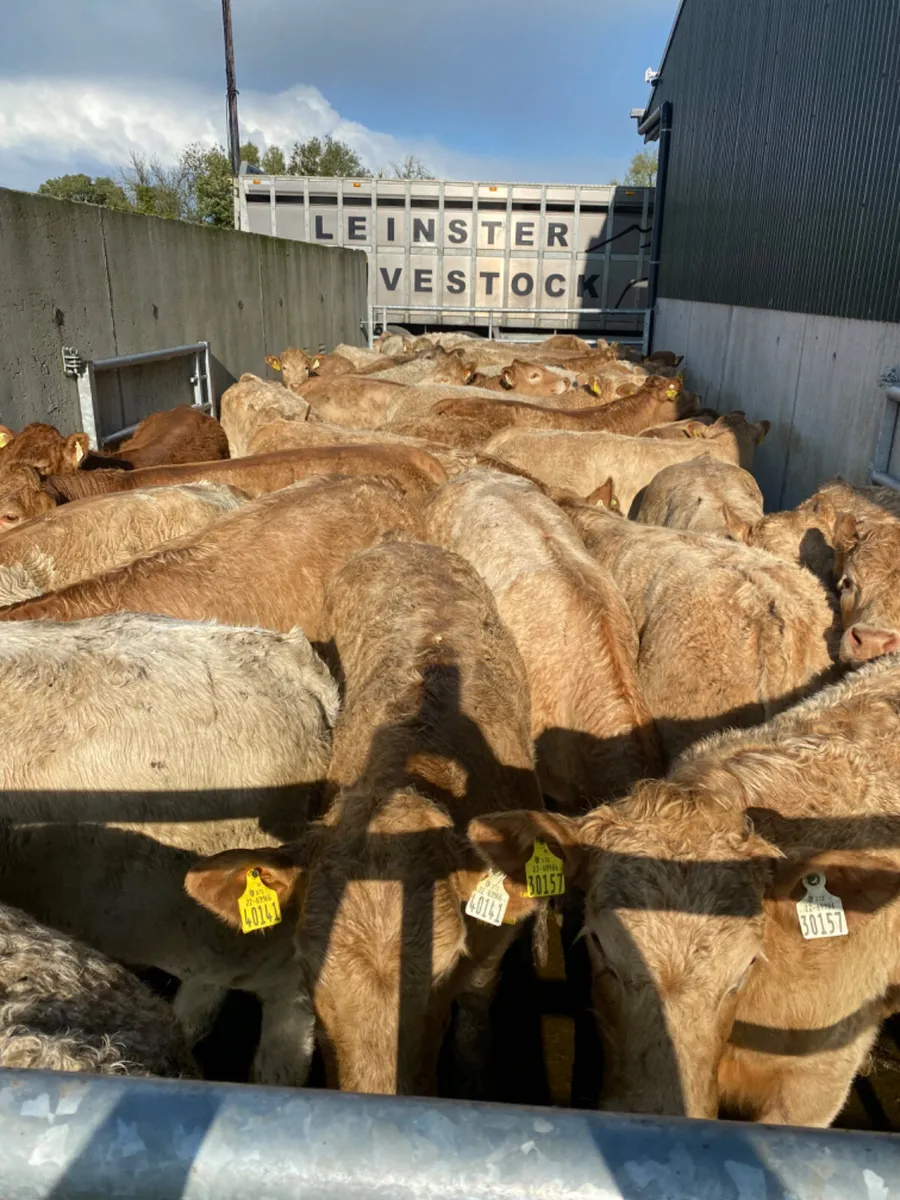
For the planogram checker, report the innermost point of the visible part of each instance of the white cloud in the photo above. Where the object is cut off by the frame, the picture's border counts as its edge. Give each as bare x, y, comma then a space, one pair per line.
73, 122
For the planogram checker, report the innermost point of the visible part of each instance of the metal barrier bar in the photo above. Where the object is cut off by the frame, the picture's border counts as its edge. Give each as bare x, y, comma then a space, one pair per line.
135, 360
521, 312
67, 1135
890, 423
85, 373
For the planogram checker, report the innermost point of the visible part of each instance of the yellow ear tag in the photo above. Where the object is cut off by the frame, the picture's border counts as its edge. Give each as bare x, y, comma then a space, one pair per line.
4, 439
671, 392
544, 874
315, 365
259, 907
489, 900
275, 364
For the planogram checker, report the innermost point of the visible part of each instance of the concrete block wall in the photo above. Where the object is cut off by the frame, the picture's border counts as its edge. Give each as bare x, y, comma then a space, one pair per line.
114, 283
815, 378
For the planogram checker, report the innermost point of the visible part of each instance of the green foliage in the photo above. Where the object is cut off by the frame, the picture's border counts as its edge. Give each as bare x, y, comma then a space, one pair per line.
85, 190
642, 172
199, 186
273, 161
325, 158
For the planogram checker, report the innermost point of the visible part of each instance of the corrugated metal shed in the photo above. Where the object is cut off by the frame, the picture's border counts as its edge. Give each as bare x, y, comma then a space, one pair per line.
784, 178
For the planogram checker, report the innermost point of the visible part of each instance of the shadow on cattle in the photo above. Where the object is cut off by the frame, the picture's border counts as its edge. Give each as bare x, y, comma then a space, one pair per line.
51, 834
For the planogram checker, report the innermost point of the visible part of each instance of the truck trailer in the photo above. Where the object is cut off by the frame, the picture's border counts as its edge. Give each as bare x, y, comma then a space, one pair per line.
513, 259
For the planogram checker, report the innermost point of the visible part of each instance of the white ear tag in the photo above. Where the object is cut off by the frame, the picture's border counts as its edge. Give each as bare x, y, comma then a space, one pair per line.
489, 900
821, 915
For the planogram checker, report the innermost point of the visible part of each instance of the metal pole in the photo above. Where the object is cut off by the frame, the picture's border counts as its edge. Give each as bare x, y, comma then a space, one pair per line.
70, 1135
234, 137
659, 204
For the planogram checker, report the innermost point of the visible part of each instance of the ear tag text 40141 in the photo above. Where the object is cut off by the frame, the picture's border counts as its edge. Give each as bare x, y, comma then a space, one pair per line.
544, 875
489, 900
820, 914
259, 907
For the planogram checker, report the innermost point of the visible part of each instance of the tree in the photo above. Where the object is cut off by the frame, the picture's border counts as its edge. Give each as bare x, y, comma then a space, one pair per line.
273, 161
410, 167
250, 154
642, 172
85, 190
325, 158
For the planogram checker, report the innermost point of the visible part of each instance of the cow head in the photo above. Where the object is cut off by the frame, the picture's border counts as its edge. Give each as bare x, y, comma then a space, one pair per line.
379, 928
674, 920
295, 366
867, 554
22, 496
44, 448
531, 379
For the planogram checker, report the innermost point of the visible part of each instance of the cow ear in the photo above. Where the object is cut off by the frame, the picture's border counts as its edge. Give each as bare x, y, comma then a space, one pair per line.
846, 533
6, 435
735, 528
760, 429
218, 882
865, 884
505, 841
696, 429
605, 494
75, 449
274, 361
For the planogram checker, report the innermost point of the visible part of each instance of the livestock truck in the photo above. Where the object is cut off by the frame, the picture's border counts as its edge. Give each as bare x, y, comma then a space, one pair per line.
501, 259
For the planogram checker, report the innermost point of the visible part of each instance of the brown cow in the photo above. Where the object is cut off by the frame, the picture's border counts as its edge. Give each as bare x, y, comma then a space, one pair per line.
592, 730
437, 366
434, 731
713, 999
44, 448
658, 400
867, 567
369, 401
180, 435
295, 366
89, 536
728, 635
526, 379
23, 496
461, 432
267, 564
682, 429
252, 402
581, 462
135, 743
805, 534
296, 434
411, 468
705, 496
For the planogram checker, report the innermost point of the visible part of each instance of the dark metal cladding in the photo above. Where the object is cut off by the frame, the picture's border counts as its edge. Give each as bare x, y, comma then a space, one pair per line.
784, 179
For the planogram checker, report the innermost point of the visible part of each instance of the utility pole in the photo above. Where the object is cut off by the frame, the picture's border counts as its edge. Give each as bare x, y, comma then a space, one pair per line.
234, 137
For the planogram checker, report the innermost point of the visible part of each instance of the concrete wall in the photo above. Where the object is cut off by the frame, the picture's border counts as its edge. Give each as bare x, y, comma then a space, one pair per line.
815, 378
114, 283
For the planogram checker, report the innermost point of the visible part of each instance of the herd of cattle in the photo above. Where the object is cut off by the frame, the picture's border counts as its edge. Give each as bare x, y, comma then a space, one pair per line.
422, 647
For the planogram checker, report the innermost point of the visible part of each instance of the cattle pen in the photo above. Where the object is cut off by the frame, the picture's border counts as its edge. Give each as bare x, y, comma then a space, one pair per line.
64, 1136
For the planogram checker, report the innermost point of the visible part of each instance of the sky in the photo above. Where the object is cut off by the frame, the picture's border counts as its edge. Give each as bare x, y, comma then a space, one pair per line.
503, 90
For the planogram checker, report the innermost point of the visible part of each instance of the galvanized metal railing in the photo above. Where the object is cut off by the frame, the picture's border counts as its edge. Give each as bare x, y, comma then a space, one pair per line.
490, 311
64, 1135
887, 444
85, 372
